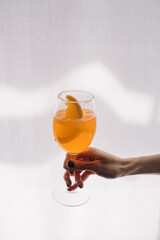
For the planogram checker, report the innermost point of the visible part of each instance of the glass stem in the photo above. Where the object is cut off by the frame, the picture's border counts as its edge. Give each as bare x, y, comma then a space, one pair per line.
72, 156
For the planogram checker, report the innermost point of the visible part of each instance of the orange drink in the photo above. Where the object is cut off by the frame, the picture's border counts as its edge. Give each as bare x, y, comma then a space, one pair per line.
76, 133
74, 126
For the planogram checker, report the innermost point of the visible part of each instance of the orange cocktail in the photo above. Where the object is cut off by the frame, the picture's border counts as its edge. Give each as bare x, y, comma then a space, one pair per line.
74, 126
74, 133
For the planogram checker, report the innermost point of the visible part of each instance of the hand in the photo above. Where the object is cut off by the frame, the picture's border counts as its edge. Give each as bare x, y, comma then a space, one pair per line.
91, 161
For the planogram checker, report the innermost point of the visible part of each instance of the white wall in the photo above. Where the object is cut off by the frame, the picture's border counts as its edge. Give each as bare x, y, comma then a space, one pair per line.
108, 47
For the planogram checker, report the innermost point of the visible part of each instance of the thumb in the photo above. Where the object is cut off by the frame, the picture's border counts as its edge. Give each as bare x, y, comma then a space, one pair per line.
80, 165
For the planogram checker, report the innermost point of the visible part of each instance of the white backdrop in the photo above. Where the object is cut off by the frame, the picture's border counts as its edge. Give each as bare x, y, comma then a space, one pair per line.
110, 48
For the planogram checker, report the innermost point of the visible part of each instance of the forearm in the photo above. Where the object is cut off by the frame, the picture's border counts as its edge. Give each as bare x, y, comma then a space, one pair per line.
142, 165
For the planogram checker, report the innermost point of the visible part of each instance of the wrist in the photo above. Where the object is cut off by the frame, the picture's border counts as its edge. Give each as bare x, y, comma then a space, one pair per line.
130, 166
141, 165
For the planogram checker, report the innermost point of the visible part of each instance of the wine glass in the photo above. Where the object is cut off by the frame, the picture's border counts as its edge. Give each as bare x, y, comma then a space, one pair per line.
74, 126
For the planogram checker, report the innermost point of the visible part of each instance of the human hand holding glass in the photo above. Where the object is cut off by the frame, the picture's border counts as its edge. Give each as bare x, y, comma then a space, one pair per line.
94, 161
74, 127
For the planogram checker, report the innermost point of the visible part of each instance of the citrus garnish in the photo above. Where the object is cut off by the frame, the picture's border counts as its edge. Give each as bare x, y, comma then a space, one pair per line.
68, 133
74, 110
70, 128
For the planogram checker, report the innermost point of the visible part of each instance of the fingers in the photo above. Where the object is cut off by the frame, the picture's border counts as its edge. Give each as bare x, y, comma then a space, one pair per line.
73, 187
74, 166
86, 154
68, 157
67, 179
79, 165
78, 179
84, 176
87, 158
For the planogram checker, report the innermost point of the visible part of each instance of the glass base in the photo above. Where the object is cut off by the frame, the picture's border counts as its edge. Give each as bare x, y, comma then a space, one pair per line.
74, 198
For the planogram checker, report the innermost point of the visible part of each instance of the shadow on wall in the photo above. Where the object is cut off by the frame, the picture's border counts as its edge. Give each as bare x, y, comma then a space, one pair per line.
124, 116
42, 42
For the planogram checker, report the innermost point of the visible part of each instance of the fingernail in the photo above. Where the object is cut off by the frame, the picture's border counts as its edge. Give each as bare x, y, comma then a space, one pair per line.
79, 186
67, 184
70, 164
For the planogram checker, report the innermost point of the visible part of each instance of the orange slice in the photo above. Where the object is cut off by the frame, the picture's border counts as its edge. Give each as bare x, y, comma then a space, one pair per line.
69, 131
74, 110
